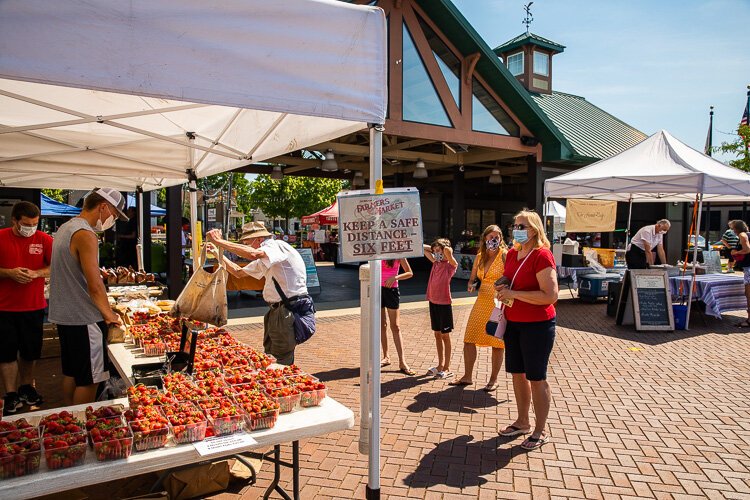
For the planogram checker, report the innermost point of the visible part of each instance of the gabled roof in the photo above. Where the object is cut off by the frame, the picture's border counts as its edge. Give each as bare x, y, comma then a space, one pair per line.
529, 38
555, 147
591, 131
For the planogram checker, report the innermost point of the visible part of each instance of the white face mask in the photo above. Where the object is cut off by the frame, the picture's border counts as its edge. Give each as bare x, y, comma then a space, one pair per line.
26, 231
108, 223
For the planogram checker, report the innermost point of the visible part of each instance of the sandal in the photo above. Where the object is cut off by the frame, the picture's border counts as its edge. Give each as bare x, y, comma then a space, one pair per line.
408, 371
491, 386
512, 431
533, 443
433, 371
744, 324
460, 382
385, 362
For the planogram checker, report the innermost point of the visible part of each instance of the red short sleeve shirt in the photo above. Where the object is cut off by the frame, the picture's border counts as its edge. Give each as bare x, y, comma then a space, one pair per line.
32, 253
526, 281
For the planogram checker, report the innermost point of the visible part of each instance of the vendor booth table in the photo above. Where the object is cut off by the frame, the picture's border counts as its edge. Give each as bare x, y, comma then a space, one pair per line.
330, 416
719, 292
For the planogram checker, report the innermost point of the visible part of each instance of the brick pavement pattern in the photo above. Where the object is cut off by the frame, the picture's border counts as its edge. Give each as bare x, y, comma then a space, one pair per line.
634, 415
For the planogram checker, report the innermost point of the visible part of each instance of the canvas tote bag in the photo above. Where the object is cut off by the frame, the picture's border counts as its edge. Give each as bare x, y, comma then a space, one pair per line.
204, 298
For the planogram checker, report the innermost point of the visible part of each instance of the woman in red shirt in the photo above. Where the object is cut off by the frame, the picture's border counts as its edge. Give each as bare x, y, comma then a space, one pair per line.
530, 333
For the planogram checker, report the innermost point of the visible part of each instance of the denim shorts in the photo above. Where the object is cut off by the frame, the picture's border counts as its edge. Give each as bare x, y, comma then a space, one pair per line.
528, 347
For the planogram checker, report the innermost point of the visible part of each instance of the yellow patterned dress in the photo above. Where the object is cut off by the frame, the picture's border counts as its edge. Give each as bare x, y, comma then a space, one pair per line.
480, 313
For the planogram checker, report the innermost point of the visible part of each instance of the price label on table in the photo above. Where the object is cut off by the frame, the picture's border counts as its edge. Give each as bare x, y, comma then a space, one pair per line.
218, 444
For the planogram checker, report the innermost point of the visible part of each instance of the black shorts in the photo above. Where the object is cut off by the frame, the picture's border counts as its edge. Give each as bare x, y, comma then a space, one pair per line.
441, 317
21, 334
390, 298
727, 254
83, 352
528, 347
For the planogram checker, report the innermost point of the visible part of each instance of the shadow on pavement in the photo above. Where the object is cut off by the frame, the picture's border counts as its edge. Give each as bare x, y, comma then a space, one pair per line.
402, 384
462, 462
454, 399
337, 374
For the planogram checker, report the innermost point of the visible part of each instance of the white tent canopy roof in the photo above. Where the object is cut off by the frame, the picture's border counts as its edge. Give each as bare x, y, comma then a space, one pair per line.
555, 209
107, 93
660, 168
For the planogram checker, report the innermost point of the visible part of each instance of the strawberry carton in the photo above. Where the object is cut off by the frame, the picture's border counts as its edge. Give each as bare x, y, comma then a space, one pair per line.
187, 422
261, 412
64, 450
238, 376
64, 422
112, 443
216, 388
148, 395
149, 426
153, 347
224, 416
285, 392
312, 390
12, 425
109, 411
20, 452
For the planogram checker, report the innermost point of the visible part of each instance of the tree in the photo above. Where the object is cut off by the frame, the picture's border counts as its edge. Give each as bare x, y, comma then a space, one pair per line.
738, 148
217, 184
293, 196
55, 194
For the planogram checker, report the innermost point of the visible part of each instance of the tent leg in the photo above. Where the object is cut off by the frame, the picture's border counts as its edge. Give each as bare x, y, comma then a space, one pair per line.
373, 476
695, 260
139, 246
630, 213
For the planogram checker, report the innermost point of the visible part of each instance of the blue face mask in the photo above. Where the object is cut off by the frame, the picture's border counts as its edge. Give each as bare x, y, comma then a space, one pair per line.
521, 235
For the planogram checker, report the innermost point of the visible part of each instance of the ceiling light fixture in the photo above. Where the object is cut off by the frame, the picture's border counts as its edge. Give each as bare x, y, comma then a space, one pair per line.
329, 164
359, 179
420, 172
495, 177
277, 174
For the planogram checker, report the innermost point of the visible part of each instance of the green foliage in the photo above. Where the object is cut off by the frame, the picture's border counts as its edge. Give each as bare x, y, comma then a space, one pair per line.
55, 194
293, 196
218, 184
738, 148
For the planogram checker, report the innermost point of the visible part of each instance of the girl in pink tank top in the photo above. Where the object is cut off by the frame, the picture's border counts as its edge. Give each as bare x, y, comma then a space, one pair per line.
390, 301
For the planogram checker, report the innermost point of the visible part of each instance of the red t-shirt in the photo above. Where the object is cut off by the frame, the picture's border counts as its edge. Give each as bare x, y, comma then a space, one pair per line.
526, 281
32, 253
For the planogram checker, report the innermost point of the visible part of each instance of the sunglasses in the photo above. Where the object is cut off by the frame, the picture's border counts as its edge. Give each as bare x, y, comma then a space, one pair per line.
521, 227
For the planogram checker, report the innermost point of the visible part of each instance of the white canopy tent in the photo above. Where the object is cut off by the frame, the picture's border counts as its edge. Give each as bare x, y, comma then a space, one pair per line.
152, 93
660, 168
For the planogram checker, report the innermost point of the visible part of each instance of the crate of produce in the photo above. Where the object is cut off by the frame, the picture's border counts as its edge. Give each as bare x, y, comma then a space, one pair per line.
65, 450
224, 416
288, 397
153, 347
261, 412
113, 443
187, 422
144, 395
149, 426
20, 452
312, 390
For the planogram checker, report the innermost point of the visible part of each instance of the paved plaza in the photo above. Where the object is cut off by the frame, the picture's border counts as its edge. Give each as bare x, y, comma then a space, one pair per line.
635, 415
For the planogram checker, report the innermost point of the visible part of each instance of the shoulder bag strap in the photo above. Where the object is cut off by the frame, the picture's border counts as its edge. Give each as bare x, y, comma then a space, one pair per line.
519, 267
284, 298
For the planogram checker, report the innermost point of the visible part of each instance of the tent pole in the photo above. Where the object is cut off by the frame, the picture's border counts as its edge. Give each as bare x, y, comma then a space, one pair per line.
695, 260
139, 246
193, 190
373, 476
627, 231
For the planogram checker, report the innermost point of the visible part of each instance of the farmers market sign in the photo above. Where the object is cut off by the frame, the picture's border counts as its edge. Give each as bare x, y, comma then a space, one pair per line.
380, 226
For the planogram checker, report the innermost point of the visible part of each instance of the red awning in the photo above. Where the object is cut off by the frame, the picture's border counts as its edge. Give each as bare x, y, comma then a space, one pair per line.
329, 215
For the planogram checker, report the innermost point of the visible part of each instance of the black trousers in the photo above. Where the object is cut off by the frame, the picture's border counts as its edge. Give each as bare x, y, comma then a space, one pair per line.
635, 258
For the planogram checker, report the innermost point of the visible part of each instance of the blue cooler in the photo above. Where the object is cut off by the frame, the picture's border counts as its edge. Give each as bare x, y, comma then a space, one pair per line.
595, 286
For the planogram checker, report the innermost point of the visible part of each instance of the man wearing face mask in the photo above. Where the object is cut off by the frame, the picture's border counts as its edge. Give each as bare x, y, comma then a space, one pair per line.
647, 240
24, 263
78, 298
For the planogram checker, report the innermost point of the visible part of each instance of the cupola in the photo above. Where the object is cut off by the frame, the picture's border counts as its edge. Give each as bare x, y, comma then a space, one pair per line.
529, 58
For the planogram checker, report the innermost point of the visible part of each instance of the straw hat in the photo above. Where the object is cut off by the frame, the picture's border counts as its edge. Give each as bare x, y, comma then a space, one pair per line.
254, 230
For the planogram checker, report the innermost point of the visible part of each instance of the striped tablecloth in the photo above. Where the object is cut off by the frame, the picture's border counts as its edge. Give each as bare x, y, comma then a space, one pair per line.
720, 292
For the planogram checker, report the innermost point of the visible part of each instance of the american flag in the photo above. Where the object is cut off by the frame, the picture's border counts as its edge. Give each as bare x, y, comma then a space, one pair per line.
744, 119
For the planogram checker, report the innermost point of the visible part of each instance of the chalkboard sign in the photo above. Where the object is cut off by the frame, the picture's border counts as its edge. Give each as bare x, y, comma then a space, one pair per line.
645, 298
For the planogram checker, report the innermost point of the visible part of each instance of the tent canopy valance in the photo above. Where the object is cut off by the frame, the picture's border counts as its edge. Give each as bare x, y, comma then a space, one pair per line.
136, 94
660, 168
54, 208
329, 215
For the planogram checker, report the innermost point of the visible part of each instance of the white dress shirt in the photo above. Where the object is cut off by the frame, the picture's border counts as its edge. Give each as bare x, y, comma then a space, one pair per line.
647, 234
283, 263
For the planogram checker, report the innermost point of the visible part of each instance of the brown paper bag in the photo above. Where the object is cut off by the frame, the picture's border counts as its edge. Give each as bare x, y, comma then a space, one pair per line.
204, 298
197, 481
116, 335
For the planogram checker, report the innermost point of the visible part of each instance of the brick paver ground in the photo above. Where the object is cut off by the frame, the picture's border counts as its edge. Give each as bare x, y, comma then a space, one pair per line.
635, 415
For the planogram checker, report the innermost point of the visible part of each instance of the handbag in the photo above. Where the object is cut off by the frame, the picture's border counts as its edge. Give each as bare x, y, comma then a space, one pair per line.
204, 298
303, 310
497, 323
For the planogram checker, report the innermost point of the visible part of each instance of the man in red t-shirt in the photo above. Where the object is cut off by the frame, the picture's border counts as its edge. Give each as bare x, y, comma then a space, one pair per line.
24, 263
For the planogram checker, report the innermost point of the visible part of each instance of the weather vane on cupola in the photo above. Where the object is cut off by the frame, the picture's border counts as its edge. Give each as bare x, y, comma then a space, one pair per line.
529, 18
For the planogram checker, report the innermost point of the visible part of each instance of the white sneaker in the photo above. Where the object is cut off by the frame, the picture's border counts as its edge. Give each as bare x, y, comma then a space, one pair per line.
433, 370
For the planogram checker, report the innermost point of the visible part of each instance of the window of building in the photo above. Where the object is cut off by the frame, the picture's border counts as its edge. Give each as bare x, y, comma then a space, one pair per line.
541, 63
449, 64
421, 102
515, 64
487, 115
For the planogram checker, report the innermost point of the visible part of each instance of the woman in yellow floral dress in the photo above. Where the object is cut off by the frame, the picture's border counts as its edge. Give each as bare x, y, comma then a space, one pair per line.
488, 267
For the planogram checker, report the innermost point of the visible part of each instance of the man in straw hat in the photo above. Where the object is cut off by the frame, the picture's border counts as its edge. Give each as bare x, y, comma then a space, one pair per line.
273, 260
78, 302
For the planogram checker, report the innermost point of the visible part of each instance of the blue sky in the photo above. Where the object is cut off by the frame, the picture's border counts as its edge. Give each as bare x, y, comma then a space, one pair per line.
653, 64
